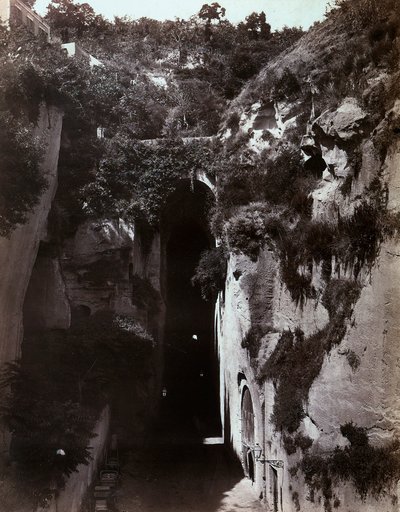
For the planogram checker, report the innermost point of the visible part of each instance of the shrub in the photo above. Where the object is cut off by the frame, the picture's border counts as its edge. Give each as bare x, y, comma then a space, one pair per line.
296, 501
88, 366
303, 442
252, 339
339, 297
233, 122
361, 236
372, 470
210, 273
287, 86
297, 360
246, 231
21, 182
135, 179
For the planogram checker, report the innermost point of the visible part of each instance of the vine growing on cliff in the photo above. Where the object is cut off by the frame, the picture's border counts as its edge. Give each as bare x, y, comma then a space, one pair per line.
297, 359
372, 470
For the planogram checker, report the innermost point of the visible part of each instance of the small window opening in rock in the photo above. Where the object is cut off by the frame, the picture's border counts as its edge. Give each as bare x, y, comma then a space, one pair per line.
316, 165
241, 376
79, 313
265, 119
237, 274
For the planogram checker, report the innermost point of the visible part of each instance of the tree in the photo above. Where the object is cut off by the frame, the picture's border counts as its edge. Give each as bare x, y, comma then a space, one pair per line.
256, 26
65, 14
211, 12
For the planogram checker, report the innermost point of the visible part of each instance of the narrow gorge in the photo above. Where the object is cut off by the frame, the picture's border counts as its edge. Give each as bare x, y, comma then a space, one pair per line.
200, 258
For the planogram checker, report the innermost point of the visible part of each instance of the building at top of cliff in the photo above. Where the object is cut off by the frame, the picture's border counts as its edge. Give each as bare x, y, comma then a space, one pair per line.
16, 12
74, 50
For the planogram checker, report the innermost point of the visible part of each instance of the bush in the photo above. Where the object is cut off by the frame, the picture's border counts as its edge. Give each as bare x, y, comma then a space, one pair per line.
135, 179
210, 273
372, 470
297, 360
21, 182
287, 86
53, 395
246, 231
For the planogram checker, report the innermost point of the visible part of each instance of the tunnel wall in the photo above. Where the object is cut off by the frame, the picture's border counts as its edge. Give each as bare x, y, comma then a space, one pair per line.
18, 253
365, 395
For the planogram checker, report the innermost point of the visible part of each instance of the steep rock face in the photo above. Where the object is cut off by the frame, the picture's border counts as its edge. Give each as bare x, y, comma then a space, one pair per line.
359, 379
18, 253
101, 266
95, 265
46, 305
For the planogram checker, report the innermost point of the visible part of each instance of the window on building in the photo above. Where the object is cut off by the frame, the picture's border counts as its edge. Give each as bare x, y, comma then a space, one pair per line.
30, 24
42, 34
17, 15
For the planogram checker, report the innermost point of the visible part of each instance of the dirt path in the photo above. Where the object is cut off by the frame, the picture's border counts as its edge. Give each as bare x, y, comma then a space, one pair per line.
184, 478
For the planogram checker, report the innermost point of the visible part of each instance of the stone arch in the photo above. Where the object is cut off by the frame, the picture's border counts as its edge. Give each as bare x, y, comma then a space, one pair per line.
247, 432
189, 354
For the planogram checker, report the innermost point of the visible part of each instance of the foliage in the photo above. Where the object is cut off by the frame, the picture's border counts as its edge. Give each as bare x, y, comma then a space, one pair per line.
279, 179
291, 443
211, 12
21, 182
52, 396
246, 231
134, 179
297, 359
362, 13
36, 72
144, 295
372, 470
74, 17
256, 26
287, 86
210, 273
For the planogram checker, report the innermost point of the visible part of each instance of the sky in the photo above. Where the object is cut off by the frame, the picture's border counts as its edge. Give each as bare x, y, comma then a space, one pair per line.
279, 12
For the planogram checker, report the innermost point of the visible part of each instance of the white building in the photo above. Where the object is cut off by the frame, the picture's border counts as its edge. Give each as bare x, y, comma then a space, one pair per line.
74, 50
16, 12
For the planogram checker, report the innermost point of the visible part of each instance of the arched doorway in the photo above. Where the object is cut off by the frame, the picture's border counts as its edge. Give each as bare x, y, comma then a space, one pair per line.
190, 363
247, 416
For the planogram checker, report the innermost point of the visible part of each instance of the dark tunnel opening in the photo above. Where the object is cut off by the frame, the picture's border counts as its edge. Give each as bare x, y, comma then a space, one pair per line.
190, 384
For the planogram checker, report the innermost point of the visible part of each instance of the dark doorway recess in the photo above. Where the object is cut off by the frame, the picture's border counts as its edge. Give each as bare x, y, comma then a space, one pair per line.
247, 433
190, 362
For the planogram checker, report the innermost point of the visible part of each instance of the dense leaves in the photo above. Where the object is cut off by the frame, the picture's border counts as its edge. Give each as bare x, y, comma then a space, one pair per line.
52, 397
372, 470
210, 273
21, 182
136, 178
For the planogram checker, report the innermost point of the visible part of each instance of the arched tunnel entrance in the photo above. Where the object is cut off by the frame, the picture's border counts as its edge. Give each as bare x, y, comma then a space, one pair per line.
190, 383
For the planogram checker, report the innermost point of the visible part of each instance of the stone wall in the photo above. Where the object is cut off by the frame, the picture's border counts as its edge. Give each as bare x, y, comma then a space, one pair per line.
365, 394
18, 253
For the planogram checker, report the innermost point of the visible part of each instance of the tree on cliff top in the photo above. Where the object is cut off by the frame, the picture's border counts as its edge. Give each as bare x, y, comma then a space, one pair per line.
212, 12
256, 26
65, 14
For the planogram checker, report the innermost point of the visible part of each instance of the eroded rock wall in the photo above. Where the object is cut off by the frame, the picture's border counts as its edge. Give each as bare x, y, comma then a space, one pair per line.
18, 253
359, 381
